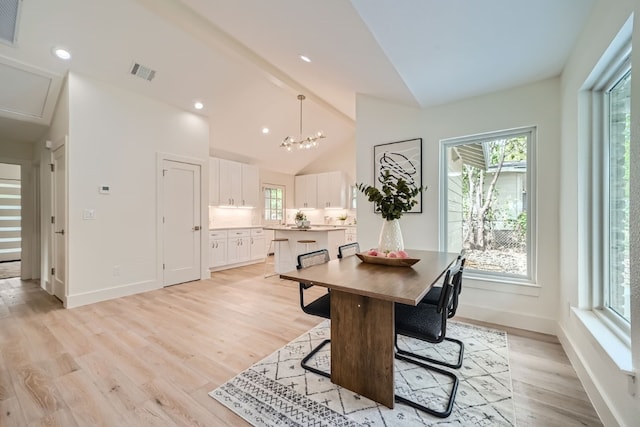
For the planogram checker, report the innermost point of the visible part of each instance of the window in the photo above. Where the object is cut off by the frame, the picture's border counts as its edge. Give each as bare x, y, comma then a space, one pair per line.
610, 189
488, 202
273, 204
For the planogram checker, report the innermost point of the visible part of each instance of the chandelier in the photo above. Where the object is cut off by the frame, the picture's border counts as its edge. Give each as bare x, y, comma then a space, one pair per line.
290, 142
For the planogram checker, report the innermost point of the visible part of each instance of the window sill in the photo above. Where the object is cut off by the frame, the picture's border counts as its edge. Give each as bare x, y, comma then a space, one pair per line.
618, 349
501, 285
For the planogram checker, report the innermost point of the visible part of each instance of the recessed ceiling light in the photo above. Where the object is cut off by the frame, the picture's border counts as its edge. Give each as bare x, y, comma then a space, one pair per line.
198, 105
62, 53
305, 58
265, 130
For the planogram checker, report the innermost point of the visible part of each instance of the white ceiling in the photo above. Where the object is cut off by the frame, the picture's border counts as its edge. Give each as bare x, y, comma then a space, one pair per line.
240, 57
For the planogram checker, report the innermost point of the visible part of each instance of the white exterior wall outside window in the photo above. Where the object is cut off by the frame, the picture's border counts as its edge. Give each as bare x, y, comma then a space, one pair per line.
488, 203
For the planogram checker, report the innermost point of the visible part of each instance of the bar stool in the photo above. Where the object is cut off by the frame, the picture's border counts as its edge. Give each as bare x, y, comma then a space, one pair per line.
276, 247
309, 245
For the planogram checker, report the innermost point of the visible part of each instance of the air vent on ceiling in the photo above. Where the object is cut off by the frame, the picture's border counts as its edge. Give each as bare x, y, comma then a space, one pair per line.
9, 13
143, 72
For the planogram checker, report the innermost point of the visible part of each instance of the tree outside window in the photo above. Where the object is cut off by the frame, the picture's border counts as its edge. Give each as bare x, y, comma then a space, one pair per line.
487, 201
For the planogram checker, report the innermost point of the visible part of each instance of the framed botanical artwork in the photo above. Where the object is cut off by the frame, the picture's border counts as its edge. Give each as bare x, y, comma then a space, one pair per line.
403, 159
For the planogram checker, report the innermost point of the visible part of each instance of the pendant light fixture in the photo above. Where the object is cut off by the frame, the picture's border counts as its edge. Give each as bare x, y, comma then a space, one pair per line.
290, 142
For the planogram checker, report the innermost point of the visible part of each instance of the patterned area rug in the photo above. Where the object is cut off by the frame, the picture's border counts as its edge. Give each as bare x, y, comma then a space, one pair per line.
9, 269
278, 392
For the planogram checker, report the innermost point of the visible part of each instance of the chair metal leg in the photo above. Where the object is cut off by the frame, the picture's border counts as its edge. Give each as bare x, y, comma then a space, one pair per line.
452, 395
310, 355
456, 365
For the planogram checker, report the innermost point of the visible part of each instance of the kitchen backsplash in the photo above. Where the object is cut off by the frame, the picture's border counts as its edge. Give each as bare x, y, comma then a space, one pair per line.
324, 216
234, 217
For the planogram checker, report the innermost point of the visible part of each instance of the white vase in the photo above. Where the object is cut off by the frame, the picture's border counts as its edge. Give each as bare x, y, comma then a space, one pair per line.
390, 237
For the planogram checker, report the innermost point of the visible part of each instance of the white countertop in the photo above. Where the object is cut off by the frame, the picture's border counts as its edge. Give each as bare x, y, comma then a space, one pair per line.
312, 228
233, 227
285, 227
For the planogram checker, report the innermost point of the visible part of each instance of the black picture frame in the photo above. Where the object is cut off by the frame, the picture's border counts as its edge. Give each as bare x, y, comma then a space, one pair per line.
403, 159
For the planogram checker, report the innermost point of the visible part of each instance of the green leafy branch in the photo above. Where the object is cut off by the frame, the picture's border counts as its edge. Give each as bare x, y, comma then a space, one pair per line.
394, 198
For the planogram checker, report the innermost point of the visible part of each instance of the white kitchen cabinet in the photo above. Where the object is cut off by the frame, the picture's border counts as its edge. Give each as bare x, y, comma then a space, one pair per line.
217, 248
230, 183
214, 181
250, 186
332, 190
258, 244
351, 235
236, 184
306, 191
238, 246
234, 247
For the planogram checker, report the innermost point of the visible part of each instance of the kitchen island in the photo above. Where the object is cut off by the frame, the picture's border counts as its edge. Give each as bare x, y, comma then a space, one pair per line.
326, 237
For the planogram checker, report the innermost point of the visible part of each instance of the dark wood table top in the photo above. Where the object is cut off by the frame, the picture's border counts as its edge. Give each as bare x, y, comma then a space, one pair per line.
406, 285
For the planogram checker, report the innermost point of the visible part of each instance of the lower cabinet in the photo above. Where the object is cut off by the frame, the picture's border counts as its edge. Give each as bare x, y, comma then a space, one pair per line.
234, 247
258, 244
217, 249
239, 246
351, 235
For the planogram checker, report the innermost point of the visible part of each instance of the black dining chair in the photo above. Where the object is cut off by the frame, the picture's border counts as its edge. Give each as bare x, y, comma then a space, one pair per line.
348, 250
433, 296
424, 328
320, 307
428, 323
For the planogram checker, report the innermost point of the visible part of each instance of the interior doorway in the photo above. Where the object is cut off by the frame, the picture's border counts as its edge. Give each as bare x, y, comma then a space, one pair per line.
10, 220
181, 222
59, 223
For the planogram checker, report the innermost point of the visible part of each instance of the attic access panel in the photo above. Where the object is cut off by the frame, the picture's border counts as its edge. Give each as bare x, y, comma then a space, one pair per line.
22, 92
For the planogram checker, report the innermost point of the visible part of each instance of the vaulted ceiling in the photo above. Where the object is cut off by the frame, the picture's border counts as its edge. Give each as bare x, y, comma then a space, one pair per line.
241, 59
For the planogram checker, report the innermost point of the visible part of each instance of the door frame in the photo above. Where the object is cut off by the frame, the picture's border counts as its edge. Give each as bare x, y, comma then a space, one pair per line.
204, 213
28, 235
62, 141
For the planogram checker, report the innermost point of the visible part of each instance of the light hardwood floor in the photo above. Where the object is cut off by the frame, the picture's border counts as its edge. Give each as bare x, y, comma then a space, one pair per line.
151, 359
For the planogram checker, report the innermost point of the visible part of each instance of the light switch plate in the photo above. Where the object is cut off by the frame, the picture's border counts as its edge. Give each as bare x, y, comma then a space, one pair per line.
89, 214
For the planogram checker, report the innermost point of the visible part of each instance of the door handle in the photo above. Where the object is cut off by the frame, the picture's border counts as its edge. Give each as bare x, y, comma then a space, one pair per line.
60, 232
196, 228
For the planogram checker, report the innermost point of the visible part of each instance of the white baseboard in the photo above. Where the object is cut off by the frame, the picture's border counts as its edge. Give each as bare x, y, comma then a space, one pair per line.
239, 264
78, 300
585, 375
508, 318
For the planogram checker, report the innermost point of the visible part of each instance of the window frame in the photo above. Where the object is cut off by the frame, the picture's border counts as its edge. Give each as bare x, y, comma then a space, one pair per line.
611, 74
266, 221
531, 180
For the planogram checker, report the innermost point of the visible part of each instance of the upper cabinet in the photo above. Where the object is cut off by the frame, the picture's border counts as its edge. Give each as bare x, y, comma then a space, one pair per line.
332, 190
306, 191
250, 186
323, 190
234, 184
214, 181
230, 183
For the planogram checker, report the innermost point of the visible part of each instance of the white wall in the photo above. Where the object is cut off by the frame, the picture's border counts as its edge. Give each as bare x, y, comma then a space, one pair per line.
529, 307
342, 159
114, 139
606, 384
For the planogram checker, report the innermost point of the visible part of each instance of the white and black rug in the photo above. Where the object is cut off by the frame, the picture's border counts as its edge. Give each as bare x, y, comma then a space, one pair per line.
278, 392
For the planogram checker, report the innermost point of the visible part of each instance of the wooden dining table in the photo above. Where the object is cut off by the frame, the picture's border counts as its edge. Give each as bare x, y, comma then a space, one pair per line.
363, 298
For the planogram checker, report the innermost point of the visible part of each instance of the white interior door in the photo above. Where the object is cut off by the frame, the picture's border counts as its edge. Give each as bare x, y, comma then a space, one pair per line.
59, 237
181, 226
